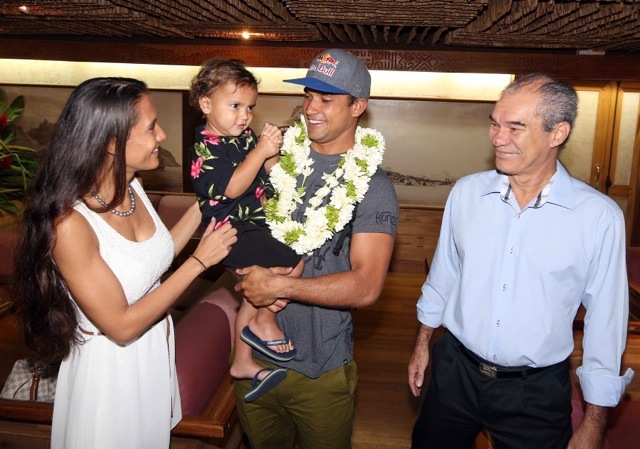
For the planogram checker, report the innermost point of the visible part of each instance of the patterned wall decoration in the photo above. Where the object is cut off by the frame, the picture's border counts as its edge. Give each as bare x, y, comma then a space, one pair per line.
622, 68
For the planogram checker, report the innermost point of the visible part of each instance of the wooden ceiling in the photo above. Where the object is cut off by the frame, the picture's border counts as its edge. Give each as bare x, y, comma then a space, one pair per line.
612, 26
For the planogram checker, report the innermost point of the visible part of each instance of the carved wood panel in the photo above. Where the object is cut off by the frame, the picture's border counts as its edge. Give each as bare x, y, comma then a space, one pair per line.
622, 68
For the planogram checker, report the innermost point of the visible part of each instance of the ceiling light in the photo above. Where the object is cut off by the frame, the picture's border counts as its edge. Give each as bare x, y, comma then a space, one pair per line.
24, 9
245, 35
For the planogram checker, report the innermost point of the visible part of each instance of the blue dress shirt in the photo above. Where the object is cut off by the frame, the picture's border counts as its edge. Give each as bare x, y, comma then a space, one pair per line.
508, 282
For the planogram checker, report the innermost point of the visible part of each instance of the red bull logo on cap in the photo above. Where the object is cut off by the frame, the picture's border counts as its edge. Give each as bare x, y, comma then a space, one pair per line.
337, 71
324, 64
327, 59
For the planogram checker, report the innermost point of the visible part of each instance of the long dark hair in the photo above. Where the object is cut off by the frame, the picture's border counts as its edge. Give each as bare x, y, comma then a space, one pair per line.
99, 112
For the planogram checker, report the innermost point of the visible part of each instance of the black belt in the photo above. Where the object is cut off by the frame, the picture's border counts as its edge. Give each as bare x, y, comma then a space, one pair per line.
498, 372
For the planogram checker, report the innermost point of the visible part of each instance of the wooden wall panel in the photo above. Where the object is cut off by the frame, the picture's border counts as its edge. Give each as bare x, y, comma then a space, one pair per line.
416, 238
566, 65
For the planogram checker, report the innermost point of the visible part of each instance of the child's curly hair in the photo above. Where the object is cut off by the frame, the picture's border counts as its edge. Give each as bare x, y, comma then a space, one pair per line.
217, 72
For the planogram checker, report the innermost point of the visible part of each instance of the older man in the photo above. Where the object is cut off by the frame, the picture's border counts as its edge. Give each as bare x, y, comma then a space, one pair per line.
521, 247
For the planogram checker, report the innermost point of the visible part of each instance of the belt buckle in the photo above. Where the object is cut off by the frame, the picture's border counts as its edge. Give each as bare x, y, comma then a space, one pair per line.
488, 370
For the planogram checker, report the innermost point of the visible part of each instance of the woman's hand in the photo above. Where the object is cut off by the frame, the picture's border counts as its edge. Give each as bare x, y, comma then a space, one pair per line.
216, 244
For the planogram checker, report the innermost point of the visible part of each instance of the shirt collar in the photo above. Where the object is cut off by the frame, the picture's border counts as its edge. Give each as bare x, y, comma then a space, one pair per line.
561, 194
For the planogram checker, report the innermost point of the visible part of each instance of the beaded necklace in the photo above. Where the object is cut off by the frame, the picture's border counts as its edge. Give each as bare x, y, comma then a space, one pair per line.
117, 212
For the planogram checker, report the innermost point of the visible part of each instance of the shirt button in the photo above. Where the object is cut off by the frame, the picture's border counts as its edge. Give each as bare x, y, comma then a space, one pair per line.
511, 250
494, 358
498, 323
504, 287
518, 216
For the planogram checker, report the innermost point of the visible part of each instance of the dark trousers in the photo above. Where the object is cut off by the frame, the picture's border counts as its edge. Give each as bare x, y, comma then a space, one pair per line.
532, 411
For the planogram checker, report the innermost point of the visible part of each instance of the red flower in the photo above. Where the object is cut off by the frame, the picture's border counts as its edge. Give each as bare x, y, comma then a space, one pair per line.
213, 202
196, 168
259, 191
6, 162
210, 137
220, 223
4, 120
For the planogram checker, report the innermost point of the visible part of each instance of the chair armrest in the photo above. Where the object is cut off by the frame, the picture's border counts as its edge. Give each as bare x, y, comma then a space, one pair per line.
26, 411
217, 418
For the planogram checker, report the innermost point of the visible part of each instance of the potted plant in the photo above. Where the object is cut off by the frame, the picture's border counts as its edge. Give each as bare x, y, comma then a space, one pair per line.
17, 163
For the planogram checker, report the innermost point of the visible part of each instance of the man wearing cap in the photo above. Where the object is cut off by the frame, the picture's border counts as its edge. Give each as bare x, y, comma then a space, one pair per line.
315, 403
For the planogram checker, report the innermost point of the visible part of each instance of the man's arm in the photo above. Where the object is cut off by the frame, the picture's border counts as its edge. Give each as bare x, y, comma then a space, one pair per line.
605, 331
590, 434
606, 298
419, 359
370, 254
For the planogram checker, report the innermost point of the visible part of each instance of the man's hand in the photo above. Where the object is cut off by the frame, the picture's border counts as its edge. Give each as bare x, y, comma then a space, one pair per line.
419, 359
279, 305
590, 434
260, 285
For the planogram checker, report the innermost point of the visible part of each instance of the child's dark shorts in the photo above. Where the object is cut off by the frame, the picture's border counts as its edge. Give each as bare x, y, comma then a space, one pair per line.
256, 246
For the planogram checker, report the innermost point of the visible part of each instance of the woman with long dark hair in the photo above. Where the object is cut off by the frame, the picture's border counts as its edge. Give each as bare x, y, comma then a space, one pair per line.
90, 266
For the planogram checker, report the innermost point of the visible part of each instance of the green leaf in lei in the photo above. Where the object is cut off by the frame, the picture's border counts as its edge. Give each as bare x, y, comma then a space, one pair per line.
271, 209
332, 217
303, 133
287, 164
369, 141
362, 164
351, 189
292, 236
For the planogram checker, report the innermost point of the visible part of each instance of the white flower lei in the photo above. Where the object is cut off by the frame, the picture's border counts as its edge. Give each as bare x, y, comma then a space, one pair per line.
345, 187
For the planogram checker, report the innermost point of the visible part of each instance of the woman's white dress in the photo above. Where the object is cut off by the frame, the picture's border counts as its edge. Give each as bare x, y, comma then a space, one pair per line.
112, 396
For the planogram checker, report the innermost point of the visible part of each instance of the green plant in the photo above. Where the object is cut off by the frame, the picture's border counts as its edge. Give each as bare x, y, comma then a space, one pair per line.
17, 163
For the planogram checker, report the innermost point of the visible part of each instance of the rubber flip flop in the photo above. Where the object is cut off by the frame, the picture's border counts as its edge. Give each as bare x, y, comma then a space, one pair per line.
262, 346
261, 387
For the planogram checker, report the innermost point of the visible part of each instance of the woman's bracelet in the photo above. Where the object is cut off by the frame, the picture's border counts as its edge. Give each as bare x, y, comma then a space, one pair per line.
199, 261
